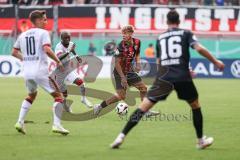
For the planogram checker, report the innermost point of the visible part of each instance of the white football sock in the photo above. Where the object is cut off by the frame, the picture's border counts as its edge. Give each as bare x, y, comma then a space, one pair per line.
57, 113
83, 98
24, 110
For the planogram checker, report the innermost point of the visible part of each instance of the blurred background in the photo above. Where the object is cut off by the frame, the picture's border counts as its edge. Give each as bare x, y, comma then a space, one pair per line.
93, 23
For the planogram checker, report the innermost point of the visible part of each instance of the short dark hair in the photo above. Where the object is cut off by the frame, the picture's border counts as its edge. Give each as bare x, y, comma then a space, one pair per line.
64, 33
173, 17
36, 14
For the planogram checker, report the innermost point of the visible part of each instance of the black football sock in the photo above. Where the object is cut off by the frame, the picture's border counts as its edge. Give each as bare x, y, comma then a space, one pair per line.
133, 120
198, 122
103, 104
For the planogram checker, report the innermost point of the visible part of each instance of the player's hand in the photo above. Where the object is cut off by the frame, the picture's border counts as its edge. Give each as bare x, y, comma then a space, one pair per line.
137, 68
220, 65
192, 73
124, 82
60, 66
79, 59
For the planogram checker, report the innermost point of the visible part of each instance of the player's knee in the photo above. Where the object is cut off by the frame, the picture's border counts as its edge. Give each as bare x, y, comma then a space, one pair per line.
121, 96
194, 104
65, 94
143, 89
78, 82
31, 97
58, 97
60, 100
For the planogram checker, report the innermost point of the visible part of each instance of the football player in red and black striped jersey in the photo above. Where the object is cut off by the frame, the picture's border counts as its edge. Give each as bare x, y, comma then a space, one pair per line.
125, 73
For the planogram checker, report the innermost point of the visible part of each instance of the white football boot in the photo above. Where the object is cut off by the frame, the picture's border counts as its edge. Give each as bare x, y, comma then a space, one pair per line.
59, 129
204, 142
20, 127
97, 109
118, 141
151, 113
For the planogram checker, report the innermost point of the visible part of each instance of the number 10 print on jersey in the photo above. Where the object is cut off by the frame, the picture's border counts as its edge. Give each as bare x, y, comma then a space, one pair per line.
30, 45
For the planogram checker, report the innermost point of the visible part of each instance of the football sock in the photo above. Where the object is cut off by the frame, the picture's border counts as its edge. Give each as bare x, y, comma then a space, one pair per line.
26, 104
133, 120
57, 113
82, 90
103, 104
198, 122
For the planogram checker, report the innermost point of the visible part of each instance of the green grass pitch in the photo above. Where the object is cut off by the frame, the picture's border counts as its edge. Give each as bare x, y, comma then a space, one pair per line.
152, 139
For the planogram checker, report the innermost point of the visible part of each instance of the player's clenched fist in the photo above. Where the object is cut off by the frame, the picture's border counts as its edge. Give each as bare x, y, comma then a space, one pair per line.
219, 64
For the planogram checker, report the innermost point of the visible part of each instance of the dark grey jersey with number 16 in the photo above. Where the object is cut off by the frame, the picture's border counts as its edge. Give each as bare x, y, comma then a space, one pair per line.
173, 50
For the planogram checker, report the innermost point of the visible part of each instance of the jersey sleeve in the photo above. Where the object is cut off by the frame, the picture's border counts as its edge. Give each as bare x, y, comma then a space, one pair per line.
17, 44
192, 39
46, 39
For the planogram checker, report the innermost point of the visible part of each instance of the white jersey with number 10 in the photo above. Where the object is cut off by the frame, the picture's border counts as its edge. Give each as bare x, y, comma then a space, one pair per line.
31, 43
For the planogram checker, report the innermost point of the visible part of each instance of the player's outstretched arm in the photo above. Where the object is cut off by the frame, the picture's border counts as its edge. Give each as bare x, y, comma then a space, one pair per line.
16, 53
204, 52
64, 55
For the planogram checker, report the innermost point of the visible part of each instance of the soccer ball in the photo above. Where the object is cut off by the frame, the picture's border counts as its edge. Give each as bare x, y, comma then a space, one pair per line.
122, 109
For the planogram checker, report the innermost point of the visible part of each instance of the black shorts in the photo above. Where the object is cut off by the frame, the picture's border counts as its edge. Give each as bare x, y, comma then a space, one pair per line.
132, 78
161, 89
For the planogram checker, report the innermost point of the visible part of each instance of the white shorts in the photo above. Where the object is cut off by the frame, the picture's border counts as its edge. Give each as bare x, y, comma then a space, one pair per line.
71, 77
62, 81
47, 84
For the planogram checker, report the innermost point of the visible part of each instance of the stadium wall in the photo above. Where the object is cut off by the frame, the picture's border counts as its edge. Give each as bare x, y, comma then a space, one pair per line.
109, 18
12, 67
221, 48
217, 27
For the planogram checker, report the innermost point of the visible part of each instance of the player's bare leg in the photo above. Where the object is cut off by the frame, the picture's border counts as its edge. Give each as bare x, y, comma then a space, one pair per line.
84, 100
143, 91
136, 116
120, 95
26, 104
57, 112
203, 141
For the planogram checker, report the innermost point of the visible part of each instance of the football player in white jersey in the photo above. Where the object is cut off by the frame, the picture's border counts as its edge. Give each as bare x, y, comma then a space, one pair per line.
32, 48
63, 50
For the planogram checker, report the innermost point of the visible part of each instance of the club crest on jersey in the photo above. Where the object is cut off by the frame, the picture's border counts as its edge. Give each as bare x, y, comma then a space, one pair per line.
136, 47
131, 54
